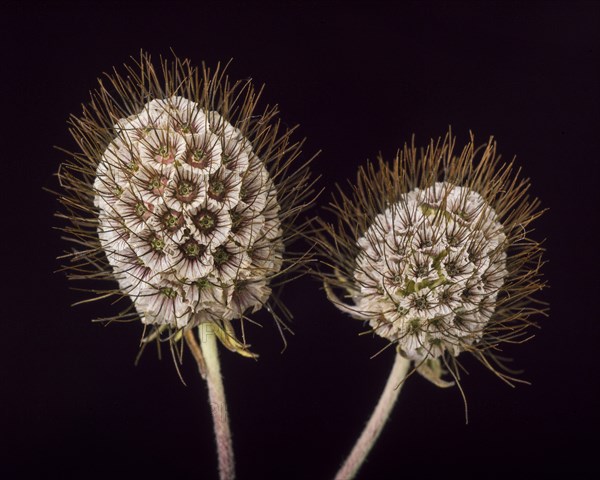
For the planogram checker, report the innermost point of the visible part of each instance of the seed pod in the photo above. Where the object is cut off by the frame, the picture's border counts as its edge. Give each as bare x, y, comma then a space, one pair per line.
433, 251
183, 193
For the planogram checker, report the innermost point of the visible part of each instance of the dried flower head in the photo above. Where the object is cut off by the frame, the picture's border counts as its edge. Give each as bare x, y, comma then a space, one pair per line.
433, 252
182, 192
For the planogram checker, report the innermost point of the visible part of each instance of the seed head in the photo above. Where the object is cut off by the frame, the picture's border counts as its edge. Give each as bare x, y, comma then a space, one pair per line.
433, 252
181, 193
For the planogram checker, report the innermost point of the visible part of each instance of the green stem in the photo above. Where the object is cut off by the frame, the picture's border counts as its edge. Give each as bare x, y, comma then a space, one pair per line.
218, 406
377, 421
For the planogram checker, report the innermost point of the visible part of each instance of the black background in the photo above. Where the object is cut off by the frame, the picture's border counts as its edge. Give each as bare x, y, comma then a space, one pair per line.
359, 78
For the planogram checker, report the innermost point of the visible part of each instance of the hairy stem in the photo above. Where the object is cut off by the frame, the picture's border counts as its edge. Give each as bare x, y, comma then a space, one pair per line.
218, 406
377, 421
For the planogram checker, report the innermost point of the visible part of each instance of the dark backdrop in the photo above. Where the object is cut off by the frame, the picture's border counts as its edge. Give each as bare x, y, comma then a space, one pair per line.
359, 78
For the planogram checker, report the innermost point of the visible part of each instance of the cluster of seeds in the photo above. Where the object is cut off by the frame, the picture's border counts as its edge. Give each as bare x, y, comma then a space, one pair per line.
188, 215
429, 270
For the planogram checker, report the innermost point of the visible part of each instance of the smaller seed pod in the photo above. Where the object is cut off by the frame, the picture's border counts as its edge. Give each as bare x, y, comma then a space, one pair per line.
433, 252
186, 195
